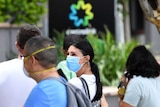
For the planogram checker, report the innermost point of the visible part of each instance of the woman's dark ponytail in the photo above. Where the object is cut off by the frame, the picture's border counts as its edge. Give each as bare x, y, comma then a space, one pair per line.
95, 71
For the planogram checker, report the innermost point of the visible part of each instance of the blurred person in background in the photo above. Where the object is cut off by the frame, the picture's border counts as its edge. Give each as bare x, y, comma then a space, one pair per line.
142, 80
14, 85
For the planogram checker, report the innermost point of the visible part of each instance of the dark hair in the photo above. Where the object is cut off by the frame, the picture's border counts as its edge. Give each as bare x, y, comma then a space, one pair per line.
25, 33
153, 4
70, 39
142, 63
46, 58
87, 49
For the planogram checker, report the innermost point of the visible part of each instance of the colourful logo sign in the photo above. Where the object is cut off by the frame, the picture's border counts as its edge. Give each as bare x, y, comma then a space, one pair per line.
74, 11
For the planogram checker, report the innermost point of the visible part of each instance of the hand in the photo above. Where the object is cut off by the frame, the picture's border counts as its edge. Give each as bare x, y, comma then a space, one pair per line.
121, 92
124, 81
122, 87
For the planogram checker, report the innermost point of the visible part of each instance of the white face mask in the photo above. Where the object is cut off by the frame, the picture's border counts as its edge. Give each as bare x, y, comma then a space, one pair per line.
25, 71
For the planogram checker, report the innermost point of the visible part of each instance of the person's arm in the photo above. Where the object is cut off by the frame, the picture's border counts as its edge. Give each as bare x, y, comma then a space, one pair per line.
123, 104
132, 94
104, 102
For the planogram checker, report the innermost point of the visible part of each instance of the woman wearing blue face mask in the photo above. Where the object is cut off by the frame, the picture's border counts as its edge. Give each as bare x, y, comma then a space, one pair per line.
79, 60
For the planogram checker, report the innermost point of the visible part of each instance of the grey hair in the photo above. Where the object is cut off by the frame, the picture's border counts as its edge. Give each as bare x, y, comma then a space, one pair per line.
48, 57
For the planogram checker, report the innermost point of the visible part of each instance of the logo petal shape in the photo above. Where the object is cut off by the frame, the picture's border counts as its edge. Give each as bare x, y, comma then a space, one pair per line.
88, 14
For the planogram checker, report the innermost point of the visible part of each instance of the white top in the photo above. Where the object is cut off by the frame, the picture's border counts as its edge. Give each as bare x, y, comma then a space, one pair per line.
14, 85
91, 82
143, 92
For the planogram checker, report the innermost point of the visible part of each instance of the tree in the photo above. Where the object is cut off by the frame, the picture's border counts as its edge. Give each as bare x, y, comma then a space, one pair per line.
22, 11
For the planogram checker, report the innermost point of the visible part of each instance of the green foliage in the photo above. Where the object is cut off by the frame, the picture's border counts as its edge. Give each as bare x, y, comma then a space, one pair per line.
98, 46
59, 36
110, 57
22, 11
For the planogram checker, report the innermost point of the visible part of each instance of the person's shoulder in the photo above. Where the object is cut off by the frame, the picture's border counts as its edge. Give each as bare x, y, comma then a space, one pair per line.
92, 76
158, 78
135, 79
11, 69
62, 63
75, 81
9, 64
139, 81
49, 82
12, 61
13, 64
89, 78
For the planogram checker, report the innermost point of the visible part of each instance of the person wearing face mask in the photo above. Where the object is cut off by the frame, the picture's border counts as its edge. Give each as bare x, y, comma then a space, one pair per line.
14, 85
68, 40
80, 60
40, 58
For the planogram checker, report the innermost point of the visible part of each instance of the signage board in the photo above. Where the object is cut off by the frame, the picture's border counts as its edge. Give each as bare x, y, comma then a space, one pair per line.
81, 16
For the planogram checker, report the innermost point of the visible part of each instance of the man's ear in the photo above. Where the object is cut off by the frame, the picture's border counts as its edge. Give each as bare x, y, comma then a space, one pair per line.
19, 48
20, 51
34, 61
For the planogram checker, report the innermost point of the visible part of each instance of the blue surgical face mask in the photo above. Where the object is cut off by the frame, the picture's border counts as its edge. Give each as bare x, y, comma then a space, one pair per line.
73, 63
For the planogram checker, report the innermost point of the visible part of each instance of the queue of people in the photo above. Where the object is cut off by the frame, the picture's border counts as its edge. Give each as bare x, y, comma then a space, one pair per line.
25, 81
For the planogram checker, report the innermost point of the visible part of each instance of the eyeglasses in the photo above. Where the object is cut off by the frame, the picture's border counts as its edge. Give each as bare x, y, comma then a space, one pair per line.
36, 52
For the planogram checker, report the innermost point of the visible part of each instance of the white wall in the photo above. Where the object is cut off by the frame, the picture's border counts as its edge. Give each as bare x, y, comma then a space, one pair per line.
7, 42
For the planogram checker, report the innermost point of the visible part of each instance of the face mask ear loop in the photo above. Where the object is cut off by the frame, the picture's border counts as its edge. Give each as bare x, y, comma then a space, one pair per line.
46, 70
38, 51
85, 62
